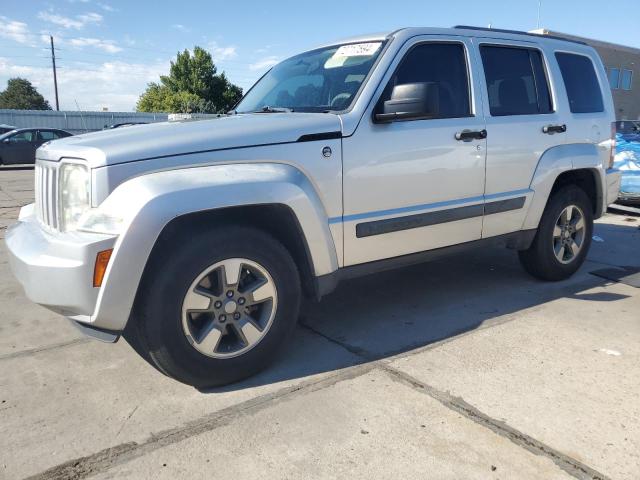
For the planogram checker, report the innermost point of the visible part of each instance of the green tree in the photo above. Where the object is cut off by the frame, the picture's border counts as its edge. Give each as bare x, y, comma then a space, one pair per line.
21, 95
192, 86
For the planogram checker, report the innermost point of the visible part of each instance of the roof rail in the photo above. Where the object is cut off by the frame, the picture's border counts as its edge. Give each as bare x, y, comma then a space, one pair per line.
518, 32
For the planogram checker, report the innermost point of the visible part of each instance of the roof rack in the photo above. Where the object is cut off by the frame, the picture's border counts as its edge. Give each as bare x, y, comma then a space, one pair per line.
518, 32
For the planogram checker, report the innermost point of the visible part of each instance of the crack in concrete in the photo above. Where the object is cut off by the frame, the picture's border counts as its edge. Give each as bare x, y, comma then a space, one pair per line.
108, 458
32, 351
570, 465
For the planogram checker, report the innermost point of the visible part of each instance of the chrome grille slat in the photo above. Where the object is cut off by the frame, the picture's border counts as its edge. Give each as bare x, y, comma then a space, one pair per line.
46, 190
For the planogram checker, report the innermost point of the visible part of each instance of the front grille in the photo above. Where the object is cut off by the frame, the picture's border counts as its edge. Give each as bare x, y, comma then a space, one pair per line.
46, 190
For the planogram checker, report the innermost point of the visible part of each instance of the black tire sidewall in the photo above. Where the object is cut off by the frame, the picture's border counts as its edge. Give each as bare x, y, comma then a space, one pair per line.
570, 195
161, 309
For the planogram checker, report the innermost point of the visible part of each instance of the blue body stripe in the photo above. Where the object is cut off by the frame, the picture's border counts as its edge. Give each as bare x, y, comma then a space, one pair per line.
427, 206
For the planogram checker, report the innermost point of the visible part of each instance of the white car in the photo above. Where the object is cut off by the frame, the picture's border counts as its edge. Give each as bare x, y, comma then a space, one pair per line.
375, 152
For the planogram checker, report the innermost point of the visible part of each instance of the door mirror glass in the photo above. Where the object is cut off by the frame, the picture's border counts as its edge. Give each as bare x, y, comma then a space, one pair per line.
411, 101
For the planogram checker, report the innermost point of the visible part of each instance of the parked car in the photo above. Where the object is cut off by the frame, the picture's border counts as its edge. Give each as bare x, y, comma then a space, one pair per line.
628, 162
19, 146
4, 128
201, 237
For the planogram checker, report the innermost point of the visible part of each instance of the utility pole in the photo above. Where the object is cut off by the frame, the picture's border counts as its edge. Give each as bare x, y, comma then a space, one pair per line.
55, 78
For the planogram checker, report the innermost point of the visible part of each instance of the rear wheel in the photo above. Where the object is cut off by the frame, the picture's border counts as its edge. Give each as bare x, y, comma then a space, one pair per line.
563, 238
220, 308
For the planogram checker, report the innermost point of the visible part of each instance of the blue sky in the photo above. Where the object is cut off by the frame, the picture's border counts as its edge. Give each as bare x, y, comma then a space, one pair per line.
108, 50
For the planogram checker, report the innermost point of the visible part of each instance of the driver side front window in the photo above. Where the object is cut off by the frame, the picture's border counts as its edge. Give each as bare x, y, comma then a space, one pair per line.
22, 137
443, 67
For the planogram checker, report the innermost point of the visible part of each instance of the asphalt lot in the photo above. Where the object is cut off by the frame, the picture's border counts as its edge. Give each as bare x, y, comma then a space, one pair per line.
461, 368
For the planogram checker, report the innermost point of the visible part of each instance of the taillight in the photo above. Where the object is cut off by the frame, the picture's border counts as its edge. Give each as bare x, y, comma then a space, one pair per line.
612, 154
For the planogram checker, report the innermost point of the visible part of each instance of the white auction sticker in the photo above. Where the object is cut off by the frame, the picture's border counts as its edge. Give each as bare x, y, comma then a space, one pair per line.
357, 50
345, 52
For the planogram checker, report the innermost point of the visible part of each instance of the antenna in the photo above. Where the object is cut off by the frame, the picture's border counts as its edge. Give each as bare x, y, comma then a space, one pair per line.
539, 8
81, 116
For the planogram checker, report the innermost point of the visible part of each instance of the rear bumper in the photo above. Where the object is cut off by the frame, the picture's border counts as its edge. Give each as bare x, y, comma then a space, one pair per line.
613, 186
56, 270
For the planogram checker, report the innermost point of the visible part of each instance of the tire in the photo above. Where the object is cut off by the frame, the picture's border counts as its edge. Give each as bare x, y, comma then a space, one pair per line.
175, 334
542, 258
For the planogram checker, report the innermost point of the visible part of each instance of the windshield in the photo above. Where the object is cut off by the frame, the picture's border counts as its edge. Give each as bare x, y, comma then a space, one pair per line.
322, 80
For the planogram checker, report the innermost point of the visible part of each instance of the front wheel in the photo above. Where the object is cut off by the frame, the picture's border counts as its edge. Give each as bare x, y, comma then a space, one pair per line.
563, 238
219, 309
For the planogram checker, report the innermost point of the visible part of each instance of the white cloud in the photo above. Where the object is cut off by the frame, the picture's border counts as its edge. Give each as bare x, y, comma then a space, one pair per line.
220, 53
180, 27
264, 63
78, 22
108, 46
14, 30
115, 85
106, 7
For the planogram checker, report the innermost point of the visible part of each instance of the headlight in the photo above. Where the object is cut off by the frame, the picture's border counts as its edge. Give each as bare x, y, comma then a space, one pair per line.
74, 194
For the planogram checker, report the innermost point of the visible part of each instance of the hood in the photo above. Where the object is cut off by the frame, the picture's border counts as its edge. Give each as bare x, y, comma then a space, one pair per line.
141, 142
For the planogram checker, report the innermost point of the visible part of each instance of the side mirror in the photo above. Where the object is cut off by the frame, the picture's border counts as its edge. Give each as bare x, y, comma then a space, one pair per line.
410, 101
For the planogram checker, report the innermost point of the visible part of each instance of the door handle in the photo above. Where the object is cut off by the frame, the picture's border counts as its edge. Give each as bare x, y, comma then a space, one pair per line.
468, 135
551, 129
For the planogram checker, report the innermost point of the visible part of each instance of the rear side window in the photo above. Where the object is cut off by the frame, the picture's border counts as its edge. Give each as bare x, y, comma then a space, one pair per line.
445, 65
581, 83
516, 81
47, 135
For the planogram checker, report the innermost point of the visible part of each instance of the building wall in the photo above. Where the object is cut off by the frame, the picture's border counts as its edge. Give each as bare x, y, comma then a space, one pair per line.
81, 122
627, 102
614, 56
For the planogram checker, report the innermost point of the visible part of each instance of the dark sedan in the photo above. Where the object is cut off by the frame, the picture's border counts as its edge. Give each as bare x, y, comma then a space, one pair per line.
19, 146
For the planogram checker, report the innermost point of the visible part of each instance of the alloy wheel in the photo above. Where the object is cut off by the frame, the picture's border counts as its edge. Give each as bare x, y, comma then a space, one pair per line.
569, 234
229, 308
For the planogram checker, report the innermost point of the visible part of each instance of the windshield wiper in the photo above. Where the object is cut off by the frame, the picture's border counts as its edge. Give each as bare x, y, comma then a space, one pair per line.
268, 109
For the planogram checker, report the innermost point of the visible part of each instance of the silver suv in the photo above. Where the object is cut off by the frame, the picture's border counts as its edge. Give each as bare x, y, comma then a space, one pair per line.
201, 237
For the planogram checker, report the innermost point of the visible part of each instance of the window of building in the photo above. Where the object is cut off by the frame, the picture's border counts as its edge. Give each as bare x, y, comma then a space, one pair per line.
581, 83
516, 81
614, 78
627, 77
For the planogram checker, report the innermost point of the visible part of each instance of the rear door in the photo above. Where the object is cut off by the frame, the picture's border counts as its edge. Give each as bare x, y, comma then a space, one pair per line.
590, 112
523, 121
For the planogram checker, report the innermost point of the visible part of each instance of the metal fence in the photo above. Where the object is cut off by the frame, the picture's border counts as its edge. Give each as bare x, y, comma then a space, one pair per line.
80, 122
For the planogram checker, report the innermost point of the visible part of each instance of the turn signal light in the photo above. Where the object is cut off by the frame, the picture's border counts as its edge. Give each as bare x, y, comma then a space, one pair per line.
102, 260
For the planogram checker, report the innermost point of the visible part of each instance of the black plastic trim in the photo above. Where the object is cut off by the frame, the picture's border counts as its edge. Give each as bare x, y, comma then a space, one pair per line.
314, 137
407, 222
396, 224
104, 335
504, 205
517, 240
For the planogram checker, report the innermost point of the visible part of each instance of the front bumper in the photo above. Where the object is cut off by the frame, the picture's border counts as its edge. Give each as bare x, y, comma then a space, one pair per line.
56, 269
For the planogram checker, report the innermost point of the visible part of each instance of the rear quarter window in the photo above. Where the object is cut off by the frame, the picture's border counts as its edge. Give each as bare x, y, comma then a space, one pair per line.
581, 83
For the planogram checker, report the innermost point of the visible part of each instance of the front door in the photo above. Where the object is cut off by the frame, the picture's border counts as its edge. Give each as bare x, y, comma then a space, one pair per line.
20, 148
415, 185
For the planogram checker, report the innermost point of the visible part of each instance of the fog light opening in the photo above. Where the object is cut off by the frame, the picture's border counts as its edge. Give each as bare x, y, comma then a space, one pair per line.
102, 260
